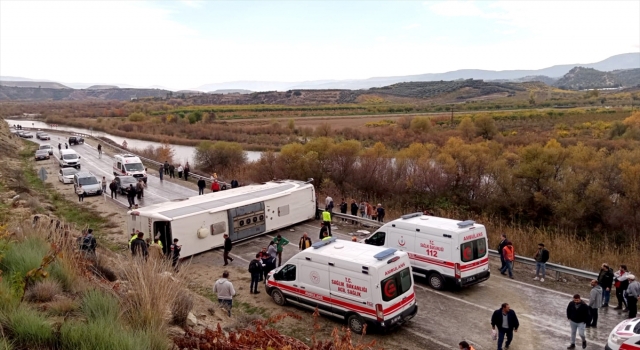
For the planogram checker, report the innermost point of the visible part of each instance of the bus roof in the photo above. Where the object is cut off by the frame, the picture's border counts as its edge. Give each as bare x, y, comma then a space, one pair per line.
219, 201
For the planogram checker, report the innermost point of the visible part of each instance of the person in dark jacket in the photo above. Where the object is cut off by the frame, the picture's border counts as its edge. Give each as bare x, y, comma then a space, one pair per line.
165, 167
343, 208
578, 315
380, 213
139, 246
541, 258
88, 244
113, 186
354, 209
186, 172
175, 253
161, 170
305, 242
140, 189
131, 196
507, 322
323, 230
172, 171
605, 280
234, 183
255, 268
227, 249
503, 243
201, 185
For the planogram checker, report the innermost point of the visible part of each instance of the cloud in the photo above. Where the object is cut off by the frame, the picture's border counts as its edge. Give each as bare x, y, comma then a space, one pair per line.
454, 8
412, 26
193, 3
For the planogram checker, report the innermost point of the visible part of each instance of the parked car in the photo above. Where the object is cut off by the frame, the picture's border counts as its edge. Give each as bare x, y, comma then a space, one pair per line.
75, 140
123, 183
19, 133
47, 147
27, 135
625, 336
38, 133
89, 182
42, 154
44, 136
65, 175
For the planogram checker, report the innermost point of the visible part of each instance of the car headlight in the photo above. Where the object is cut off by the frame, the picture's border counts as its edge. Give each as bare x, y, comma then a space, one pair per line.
616, 339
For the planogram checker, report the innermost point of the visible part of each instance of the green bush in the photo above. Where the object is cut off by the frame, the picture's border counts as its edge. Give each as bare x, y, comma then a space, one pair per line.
21, 257
9, 300
102, 335
5, 344
43, 291
62, 272
28, 328
100, 306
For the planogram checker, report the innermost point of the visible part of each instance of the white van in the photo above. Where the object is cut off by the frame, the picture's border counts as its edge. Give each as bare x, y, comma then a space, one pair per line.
69, 158
129, 165
359, 283
441, 250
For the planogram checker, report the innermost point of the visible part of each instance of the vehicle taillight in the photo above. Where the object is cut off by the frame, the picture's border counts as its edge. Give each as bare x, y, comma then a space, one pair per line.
457, 270
379, 313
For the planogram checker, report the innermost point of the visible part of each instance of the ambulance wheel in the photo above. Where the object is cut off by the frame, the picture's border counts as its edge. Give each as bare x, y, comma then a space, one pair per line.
436, 281
278, 297
356, 324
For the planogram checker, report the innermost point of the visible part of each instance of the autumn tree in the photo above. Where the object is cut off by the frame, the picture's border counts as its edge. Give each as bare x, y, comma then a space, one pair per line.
485, 127
421, 124
467, 129
219, 157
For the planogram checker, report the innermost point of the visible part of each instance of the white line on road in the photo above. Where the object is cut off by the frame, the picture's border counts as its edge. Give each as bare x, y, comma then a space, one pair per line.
433, 340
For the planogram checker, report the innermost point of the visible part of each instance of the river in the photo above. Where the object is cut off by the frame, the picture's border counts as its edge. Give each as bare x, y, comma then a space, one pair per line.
182, 153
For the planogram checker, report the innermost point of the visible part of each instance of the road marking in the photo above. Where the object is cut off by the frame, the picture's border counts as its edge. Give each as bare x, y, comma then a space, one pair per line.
536, 320
434, 340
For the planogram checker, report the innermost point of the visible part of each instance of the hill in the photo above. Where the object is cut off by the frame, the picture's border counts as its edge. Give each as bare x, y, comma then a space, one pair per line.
12, 93
102, 87
581, 78
34, 84
230, 91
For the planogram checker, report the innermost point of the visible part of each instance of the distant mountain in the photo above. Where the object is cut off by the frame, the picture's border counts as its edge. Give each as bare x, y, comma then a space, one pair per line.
231, 91
35, 84
541, 78
13, 93
581, 78
102, 87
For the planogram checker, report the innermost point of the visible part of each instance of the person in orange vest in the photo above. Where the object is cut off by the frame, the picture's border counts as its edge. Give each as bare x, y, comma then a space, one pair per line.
509, 256
465, 346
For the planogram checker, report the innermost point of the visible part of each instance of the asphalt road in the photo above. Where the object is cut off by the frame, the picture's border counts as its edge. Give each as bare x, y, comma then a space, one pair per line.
444, 318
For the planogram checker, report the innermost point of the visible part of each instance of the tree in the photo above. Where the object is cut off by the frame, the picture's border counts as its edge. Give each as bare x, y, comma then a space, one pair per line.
486, 127
220, 156
136, 117
467, 129
421, 124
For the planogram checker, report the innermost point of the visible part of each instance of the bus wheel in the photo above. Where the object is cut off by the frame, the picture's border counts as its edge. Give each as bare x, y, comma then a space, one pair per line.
436, 281
356, 324
278, 297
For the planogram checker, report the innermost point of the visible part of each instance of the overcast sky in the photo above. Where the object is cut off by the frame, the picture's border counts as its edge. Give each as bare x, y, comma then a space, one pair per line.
184, 44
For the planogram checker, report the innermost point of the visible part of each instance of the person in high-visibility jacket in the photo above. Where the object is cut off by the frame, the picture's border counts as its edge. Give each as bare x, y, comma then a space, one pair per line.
509, 257
134, 235
326, 219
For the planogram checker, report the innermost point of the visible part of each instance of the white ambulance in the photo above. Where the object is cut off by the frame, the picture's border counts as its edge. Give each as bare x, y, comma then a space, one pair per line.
441, 250
355, 282
129, 165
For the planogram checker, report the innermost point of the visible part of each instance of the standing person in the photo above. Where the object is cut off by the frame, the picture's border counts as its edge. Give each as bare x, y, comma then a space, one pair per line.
509, 256
80, 193
280, 243
234, 183
113, 187
165, 167
172, 171
131, 196
323, 230
227, 248
139, 246
223, 288
380, 212
354, 209
180, 169
175, 253
507, 322
541, 258
343, 208
633, 292
104, 185
255, 269
201, 185
328, 203
605, 280
161, 172
621, 283
595, 302
89, 243
155, 250
363, 209
305, 242
578, 315
215, 186
326, 219
140, 189
503, 243
59, 146
99, 151
186, 172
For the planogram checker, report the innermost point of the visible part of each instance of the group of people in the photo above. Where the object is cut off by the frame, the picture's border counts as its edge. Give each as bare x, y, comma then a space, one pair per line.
364, 209
170, 169
144, 248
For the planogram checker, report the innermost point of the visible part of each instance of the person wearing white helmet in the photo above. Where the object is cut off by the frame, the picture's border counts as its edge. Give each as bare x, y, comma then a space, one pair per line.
633, 292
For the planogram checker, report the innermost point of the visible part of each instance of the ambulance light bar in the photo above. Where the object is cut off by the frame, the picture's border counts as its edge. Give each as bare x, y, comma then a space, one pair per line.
385, 253
409, 216
466, 223
320, 244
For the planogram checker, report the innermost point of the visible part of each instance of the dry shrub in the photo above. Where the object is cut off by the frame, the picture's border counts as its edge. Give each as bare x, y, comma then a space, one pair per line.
43, 291
154, 287
180, 308
62, 307
100, 268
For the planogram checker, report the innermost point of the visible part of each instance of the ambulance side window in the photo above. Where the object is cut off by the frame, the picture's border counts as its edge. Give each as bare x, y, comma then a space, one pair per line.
288, 273
377, 239
473, 250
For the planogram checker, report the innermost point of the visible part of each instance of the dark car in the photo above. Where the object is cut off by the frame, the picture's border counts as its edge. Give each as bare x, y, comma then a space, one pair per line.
42, 154
123, 183
76, 140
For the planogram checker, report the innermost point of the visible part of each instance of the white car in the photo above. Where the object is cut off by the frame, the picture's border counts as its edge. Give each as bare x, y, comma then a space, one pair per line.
48, 147
625, 336
65, 175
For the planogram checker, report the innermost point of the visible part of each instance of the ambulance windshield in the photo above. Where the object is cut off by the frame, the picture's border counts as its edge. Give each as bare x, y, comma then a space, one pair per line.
473, 250
396, 285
